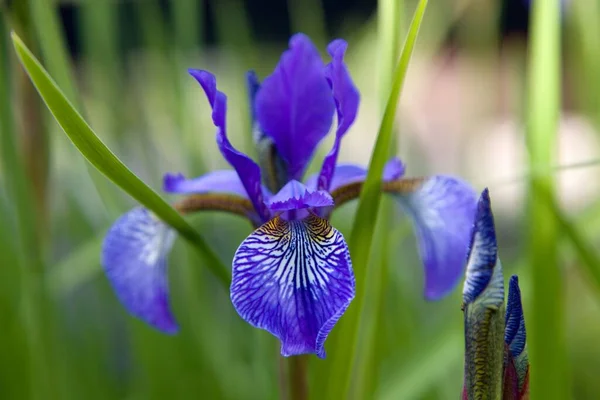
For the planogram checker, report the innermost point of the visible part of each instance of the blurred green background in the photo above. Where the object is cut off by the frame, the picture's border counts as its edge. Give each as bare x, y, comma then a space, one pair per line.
63, 335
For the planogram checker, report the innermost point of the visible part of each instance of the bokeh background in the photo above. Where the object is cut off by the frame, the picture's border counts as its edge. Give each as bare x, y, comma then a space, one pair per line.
461, 112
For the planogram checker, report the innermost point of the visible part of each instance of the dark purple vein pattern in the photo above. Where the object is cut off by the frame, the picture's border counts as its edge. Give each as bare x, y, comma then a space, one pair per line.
295, 280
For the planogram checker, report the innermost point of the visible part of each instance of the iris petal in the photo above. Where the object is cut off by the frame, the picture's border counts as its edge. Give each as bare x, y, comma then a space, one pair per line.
294, 105
223, 181
294, 195
134, 257
515, 333
484, 312
483, 251
252, 85
345, 174
295, 280
248, 170
442, 209
346, 101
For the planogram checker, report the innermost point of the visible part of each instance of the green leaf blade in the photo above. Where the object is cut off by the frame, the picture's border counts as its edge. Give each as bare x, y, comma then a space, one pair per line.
104, 160
346, 338
547, 336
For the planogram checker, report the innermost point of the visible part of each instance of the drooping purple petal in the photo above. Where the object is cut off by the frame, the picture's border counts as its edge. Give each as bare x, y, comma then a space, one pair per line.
224, 181
483, 251
442, 209
248, 170
294, 104
295, 280
345, 174
346, 98
294, 195
134, 257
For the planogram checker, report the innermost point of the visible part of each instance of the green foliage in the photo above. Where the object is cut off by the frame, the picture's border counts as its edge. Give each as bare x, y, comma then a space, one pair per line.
547, 318
96, 152
346, 340
65, 336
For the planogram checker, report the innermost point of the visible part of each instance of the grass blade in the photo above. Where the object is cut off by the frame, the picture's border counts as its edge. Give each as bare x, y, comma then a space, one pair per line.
96, 152
33, 309
547, 339
371, 352
389, 23
344, 346
588, 257
46, 26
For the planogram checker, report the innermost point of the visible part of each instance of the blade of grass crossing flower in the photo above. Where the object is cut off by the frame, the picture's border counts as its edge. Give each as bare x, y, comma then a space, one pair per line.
547, 339
369, 354
344, 346
96, 152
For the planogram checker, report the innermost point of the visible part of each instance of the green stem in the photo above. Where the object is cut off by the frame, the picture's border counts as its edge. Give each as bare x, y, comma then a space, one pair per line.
298, 379
547, 336
282, 376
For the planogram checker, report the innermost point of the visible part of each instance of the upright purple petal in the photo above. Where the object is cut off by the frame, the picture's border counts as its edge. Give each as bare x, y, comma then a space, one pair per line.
515, 333
443, 210
294, 104
483, 306
345, 174
247, 169
223, 181
252, 85
346, 101
295, 280
134, 257
483, 251
294, 195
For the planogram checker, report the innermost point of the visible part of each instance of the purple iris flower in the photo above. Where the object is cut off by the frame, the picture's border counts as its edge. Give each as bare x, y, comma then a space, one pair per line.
293, 275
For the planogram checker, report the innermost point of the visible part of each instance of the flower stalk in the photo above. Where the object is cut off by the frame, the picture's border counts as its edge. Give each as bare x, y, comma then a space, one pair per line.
298, 381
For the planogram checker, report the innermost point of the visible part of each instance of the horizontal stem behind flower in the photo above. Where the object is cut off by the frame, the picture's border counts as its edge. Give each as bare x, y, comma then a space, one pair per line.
351, 191
218, 202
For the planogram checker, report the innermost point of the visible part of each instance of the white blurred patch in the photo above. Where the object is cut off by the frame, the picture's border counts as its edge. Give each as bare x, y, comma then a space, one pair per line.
497, 158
